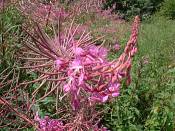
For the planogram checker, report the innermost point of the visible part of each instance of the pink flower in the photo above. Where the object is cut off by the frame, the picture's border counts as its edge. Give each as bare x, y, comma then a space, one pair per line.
97, 97
105, 98
98, 51
103, 52
75, 103
88, 72
81, 79
47, 124
76, 65
58, 64
114, 87
78, 51
117, 46
115, 94
66, 88
133, 51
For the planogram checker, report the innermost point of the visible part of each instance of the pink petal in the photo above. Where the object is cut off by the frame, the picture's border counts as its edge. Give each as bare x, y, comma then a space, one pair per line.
115, 94
81, 79
117, 46
76, 64
58, 63
105, 98
66, 88
114, 87
79, 51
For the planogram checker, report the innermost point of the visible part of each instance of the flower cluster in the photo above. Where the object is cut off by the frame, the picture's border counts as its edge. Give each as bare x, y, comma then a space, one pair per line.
47, 124
42, 13
77, 67
82, 69
94, 6
89, 71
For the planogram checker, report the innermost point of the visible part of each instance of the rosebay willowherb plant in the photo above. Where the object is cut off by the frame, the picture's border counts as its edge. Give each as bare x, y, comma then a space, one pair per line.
77, 71
84, 6
43, 13
93, 6
70, 68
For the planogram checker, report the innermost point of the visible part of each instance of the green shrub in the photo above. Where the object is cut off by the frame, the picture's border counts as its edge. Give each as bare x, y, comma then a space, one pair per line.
168, 8
129, 8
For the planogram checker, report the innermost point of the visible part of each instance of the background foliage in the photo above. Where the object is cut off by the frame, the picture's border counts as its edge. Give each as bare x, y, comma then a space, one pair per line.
168, 8
129, 8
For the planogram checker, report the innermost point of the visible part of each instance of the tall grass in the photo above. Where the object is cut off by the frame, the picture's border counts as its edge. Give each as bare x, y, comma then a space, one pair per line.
148, 104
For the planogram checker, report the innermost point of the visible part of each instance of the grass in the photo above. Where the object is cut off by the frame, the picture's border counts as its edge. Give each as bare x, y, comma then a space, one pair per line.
148, 104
